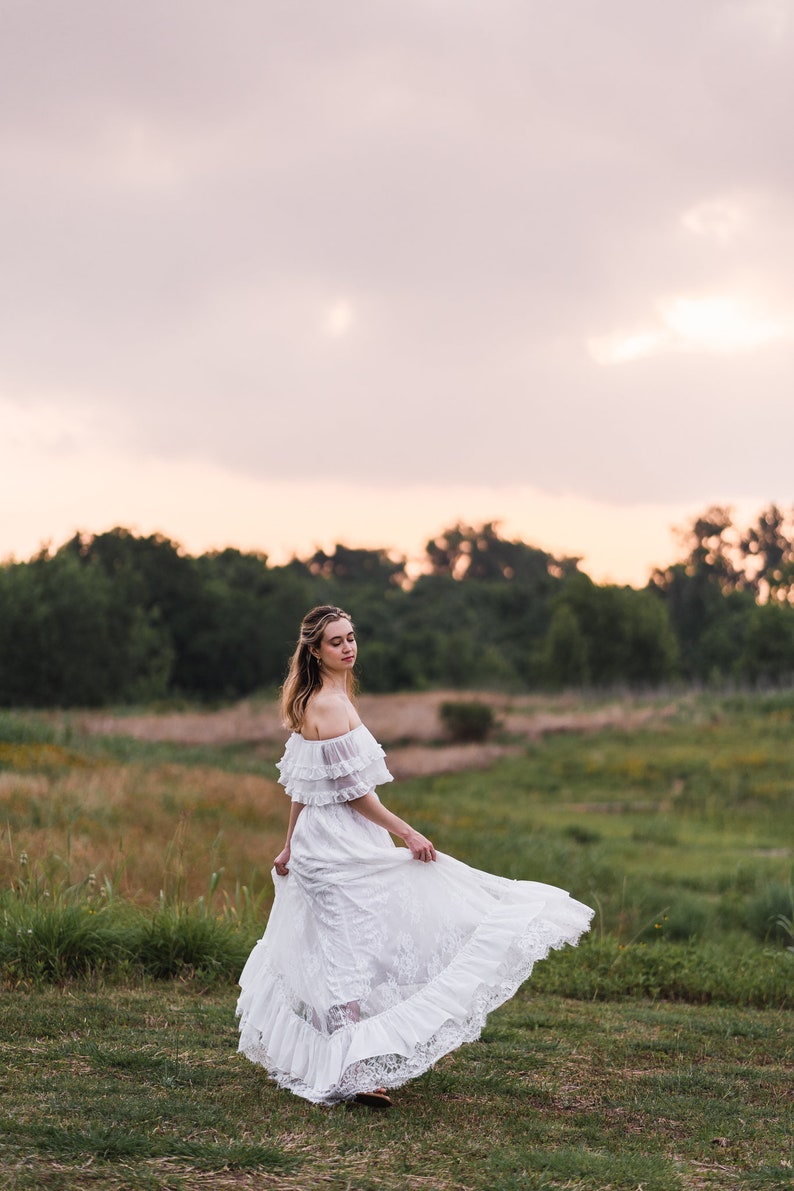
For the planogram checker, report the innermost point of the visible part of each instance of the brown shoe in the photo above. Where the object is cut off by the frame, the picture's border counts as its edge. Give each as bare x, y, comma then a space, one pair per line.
378, 1098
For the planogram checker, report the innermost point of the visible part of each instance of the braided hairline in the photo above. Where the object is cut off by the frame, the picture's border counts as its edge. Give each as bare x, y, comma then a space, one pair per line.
311, 636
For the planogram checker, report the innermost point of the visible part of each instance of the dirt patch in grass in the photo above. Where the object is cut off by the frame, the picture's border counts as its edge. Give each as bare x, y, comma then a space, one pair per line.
419, 761
391, 718
242, 723
409, 725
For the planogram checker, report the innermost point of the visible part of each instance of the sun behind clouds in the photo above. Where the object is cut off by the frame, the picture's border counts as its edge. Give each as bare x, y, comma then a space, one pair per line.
712, 323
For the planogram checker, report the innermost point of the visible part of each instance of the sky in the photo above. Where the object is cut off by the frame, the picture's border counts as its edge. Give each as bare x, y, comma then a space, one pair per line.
284, 273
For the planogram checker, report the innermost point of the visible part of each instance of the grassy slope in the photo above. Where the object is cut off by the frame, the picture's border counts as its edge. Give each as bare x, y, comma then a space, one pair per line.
693, 813
692, 818
680, 829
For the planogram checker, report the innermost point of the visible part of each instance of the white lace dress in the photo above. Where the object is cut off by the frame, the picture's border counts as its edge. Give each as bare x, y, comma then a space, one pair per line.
374, 964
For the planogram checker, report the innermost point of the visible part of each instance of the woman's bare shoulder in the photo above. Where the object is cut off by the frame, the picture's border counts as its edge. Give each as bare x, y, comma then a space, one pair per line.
328, 715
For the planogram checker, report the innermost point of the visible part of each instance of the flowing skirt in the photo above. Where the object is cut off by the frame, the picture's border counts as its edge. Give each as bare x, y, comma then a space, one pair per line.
374, 965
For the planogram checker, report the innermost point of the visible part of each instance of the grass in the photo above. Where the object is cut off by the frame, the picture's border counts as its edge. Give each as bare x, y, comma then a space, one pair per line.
138, 1088
135, 857
683, 830
657, 1056
152, 818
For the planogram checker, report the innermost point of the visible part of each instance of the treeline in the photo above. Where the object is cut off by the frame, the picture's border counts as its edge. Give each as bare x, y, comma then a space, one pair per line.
115, 617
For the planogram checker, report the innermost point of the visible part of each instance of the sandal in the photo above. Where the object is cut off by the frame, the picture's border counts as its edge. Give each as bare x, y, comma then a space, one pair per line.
378, 1098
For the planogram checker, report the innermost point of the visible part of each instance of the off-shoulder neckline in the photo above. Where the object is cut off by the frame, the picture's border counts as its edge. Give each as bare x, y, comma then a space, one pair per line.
329, 739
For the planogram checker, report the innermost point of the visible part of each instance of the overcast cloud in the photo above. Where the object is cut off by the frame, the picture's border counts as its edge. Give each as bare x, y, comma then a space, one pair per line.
450, 241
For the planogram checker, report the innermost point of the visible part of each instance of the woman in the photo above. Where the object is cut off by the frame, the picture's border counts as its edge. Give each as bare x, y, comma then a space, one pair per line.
377, 960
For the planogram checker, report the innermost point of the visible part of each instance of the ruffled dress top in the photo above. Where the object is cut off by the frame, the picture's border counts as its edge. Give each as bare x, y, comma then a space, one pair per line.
374, 965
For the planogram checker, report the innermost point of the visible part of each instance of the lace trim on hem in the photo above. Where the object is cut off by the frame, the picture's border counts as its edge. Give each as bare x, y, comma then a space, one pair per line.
393, 1070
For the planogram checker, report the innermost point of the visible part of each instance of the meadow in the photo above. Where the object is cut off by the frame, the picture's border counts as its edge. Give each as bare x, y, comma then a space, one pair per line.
135, 876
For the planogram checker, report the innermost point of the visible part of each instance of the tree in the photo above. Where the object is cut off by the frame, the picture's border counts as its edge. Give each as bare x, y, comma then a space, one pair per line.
562, 660
68, 637
244, 624
768, 552
694, 589
153, 573
768, 654
229, 618
468, 553
711, 595
711, 547
626, 635
117, 617
377, 567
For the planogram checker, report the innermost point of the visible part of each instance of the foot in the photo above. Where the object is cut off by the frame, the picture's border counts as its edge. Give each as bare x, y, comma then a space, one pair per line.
377, 1098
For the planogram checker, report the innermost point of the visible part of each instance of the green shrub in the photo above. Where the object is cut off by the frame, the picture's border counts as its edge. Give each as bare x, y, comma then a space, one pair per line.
52, 943
700, 973
178, 940
26, 729
49, 943
470, 721
765, 915
689, 917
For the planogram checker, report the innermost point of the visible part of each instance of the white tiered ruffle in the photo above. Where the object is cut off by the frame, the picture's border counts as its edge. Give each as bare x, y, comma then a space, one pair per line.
405, 1039
374, 965
319, 772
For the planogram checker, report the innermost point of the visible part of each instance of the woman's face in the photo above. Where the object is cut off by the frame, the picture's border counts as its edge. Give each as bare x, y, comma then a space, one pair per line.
337, 651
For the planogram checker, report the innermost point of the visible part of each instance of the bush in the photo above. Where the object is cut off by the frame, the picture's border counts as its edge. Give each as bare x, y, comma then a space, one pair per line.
467, 721
700, 973
179, 940
690, 917
51, 943
766, 914
52, 931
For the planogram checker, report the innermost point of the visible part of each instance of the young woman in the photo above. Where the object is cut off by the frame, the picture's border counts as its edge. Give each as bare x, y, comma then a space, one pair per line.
377, 960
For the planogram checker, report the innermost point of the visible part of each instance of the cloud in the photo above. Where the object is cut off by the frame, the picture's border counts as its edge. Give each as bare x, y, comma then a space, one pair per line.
721, 219
233, 232
722, 324
717, 324
767, 20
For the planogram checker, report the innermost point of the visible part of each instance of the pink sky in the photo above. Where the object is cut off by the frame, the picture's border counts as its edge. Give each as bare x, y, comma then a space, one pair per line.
204, 507
284, 275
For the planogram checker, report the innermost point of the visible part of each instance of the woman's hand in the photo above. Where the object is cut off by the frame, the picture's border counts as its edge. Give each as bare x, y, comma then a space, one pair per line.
282, 861
373, 809
421, 848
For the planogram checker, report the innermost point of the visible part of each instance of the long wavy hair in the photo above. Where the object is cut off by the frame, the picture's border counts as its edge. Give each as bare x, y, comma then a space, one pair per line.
304, 677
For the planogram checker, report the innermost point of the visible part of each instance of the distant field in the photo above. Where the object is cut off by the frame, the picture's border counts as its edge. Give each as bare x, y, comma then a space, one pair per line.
679, 810
656, 1056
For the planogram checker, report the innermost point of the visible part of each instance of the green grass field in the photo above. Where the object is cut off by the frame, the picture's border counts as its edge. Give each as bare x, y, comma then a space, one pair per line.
138, 1088
658, 1056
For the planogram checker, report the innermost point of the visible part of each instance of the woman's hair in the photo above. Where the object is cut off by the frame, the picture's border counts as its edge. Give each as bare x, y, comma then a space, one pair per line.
303, 677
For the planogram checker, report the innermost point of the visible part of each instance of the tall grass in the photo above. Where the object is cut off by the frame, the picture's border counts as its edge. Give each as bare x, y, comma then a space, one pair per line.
148, 816
127, 858
51, 930
704, 973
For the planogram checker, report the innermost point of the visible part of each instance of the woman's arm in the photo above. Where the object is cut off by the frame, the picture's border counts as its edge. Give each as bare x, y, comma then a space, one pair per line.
282, 860
374, 810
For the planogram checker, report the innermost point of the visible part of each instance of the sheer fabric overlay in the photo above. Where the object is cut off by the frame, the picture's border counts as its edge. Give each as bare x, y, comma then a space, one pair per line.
316, 772
374, 965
